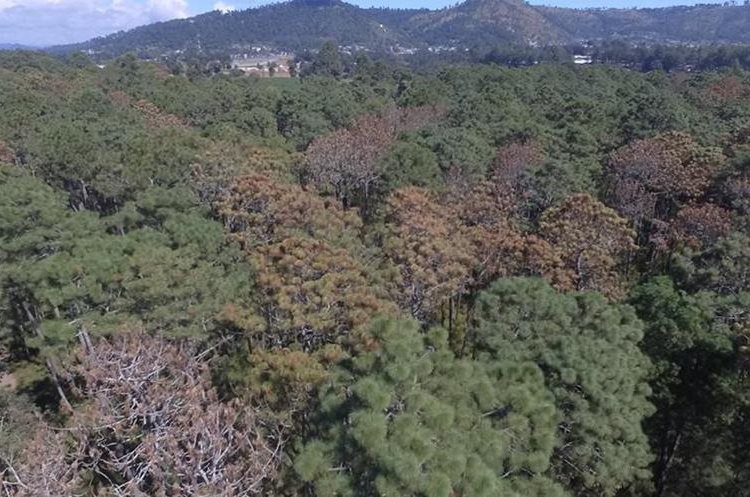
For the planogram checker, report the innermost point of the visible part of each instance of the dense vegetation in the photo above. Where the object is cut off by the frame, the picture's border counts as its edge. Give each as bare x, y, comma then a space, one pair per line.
371, 281
644, 57
305, 24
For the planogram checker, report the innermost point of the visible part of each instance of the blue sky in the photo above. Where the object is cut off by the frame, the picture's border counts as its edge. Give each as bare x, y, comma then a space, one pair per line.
48, 22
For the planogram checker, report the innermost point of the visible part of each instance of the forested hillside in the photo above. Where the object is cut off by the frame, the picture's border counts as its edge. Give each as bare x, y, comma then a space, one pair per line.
708, 22
305, 24
369, 281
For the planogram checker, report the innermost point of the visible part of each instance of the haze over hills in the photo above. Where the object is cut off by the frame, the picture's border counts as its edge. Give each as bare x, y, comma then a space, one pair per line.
300, 24
14, 46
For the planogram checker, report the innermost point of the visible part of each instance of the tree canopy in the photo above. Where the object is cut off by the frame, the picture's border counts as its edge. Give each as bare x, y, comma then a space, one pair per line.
374, 279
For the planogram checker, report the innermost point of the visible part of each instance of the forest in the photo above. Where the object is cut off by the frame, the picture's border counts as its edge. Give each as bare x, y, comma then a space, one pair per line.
373, 280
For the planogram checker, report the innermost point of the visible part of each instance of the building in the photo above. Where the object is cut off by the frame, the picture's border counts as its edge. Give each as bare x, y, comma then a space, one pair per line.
270, 65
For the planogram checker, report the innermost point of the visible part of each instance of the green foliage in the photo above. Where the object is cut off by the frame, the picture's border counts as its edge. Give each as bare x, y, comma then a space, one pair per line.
159, 261
721, 267
460, 148
410, 419
588, 351
700, 393
327, 62
113, 180
411, 164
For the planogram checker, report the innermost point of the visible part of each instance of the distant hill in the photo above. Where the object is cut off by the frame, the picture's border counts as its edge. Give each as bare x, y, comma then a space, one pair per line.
483, 21
291, 25
300, 24
15, 46
706, 23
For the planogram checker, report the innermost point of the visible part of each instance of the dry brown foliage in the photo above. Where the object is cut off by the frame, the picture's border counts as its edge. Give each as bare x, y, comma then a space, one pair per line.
700, 225
425, 242
153, 115
7, 155
258, 210
647, 175
513, 159
346, 162
506, 193
727, 90
446, 247
316, 294
119, 97
487, 215
316, 279
44, 469
487, 204
149, 423
222, 163
593, 240
157, 118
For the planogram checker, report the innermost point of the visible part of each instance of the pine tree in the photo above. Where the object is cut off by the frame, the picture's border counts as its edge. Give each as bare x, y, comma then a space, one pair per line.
700, 388
588, 351
594, 242
410, 419
158, 263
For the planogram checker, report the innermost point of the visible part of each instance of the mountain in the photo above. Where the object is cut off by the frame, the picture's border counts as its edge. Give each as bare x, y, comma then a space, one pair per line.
301, 24
291, 25
487, 21
704, 23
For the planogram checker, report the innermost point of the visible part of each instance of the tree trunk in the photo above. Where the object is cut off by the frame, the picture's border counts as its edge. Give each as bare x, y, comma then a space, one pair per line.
49, 362
666, 458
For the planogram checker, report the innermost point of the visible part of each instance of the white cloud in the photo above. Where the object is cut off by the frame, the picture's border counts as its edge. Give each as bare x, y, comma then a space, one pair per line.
224, 7
168, 9
49, 22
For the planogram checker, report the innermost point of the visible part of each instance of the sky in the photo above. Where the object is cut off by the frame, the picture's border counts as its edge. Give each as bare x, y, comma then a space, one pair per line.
50, 22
